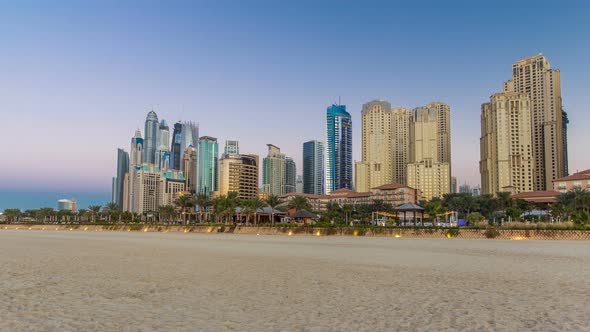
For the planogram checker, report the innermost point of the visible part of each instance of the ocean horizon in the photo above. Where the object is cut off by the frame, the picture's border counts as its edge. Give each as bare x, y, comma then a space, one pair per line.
29, 200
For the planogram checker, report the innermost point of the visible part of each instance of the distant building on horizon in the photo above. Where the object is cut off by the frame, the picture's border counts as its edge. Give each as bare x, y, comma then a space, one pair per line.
207, 171
453, 185
299, 184
338, 149
67, 205
119, 179
313, 167
162, 158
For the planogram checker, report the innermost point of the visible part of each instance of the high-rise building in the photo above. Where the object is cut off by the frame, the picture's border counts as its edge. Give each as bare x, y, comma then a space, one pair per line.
454, 185
290, 176
299, 184
239, 173
163, 146
153, 188
338, 149
135, 159
426, 171
150, 139
176, 149
273, 171
566, 167
122, 169
189, 159
231, 147
400, 146
190, 135
313, 167
506, 161
533, 76
207, 171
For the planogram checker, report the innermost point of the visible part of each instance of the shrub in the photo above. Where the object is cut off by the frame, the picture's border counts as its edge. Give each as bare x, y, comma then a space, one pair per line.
452, 232
491, 233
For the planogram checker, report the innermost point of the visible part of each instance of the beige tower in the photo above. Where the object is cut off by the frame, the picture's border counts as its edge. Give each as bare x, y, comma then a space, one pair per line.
384, 146
425, 170
443, 127
506, 163
239, 173
534, 77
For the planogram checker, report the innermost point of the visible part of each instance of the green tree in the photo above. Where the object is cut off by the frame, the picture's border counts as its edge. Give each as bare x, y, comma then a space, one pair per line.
166, 212
204, 202
94, 211
299, 203
474, 218
185, 202
273, 201
12, 215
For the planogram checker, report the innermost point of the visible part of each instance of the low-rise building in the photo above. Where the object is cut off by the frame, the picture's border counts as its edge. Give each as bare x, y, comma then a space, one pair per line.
579, 180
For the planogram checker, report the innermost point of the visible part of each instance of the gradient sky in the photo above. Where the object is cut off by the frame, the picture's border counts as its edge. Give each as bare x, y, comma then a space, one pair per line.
77, 79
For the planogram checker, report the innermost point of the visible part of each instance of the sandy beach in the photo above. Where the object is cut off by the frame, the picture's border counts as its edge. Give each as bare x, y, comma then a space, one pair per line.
115, 281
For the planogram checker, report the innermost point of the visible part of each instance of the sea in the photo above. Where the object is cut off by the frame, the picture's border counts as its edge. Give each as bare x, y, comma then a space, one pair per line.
35, 200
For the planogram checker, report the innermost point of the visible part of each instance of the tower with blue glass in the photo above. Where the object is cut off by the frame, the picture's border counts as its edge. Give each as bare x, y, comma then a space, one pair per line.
208, 158
338, 149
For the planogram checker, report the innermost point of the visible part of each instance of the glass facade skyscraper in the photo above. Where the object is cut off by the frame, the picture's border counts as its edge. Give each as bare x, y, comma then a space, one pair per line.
122, 169
290, 175
176, 150
163, 146
313, 167
150, 138
232, 147
338, 149
208, 156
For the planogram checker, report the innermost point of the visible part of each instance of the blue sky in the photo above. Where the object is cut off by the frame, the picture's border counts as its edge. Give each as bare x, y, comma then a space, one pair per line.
77, 79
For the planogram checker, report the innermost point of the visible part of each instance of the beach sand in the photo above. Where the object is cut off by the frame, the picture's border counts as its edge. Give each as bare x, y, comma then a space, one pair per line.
118, 281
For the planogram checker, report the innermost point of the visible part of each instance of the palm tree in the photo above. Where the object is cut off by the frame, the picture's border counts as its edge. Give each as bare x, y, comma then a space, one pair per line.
273, 201
185, 201
109, 209
248, 209
12, 215
257, 203
94, 210
348, 209
43, 213
299, 203
204, 202
166, 212
81, 214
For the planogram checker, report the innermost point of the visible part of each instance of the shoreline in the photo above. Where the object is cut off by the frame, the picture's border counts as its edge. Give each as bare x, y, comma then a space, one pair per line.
398, 232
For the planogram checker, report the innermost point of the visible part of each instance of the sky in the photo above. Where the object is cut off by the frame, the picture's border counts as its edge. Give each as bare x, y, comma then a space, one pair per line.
78, 78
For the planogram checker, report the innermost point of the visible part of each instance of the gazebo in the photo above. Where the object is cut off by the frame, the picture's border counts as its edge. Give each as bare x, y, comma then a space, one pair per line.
304, 216
410, 207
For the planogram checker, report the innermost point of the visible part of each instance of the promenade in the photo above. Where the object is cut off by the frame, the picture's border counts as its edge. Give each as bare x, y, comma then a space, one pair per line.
136, 281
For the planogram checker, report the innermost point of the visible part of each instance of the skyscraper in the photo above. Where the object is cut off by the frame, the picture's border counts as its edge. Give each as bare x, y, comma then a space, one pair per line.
176, 149
163, 146
207, 171
534, 77
239, 173
150, 140
338, 149
426, 171
190, 135
506, 161
122, 169
231, 147
189, 159
273, 171
384, 145
290, 175
135, 159
313, 167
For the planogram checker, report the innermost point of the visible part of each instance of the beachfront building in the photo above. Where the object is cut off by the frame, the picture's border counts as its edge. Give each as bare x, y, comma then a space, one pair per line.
428, 169
313, 168
576, 181
189, 159
119, 180
135, 159
238, 173
150, 140
153, 188
338, 149
392, 193
273, 171
290, 175
207, 171
534, 77
506, 154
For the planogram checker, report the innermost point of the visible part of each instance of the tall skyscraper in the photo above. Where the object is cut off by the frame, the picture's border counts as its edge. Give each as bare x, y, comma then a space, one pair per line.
273, 171
384, 145
239, 173
150, 140
163, 146
426, 171
534, 77
207, 171
122, 169
135, 159
506, 162
189, 159
313, 167
176, 149
190, 135
290, 176
338, 148
153, 188
566, 167
231, 147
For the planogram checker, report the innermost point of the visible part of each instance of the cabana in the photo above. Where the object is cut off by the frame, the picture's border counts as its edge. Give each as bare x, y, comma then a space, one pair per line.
409, 208
304, 216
